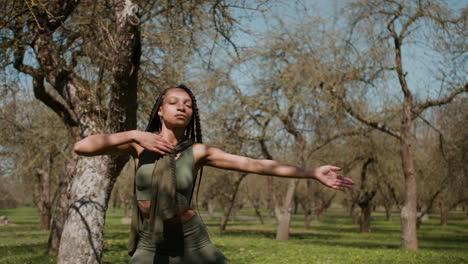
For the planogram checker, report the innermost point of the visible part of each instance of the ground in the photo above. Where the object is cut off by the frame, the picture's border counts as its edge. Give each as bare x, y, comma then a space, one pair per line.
332, 240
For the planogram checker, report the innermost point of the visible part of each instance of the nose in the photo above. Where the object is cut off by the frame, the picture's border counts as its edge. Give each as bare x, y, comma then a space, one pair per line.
180, 107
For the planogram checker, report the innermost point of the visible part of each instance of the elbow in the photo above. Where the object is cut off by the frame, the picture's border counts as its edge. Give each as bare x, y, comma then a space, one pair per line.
78, 148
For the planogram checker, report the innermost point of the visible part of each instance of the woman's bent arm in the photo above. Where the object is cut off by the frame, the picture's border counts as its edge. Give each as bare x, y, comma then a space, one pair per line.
104, 144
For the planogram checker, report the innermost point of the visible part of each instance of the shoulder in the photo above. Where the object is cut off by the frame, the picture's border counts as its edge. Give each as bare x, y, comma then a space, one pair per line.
202, 151
199, 151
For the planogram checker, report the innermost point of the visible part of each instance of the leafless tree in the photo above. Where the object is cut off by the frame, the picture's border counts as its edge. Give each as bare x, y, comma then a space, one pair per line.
391, 25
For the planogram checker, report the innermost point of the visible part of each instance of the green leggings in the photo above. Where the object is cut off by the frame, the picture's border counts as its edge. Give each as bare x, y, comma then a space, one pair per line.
186, 243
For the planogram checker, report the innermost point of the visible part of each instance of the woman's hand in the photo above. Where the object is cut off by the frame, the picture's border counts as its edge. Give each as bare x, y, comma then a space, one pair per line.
327, 176
153, 142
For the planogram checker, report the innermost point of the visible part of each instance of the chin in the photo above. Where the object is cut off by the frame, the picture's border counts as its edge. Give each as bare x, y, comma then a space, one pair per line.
178, 124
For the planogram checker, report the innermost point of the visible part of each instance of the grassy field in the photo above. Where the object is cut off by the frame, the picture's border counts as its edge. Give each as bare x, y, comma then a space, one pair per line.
333, 240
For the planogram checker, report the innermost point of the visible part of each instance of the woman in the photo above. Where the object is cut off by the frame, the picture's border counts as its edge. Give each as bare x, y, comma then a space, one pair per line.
167, 156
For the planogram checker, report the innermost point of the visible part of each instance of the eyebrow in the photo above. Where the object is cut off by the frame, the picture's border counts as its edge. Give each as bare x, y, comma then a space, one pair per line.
176, 97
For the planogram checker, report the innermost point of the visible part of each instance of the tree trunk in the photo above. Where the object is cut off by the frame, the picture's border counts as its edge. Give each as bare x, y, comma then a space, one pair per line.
296, 204
61, 210
42, 197
408, 211
210, 209
317, 214
283, 213
90, 189
388, 211
232, 200
364, 220
308, 203
307, 218
82, 237
271, 201
444, 213
258, 213
126, 205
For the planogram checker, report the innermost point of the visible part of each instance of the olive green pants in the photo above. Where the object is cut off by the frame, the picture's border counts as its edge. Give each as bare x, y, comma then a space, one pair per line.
186, 243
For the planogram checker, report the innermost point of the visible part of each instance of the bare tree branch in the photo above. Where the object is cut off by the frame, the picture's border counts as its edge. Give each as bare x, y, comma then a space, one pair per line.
363, 119
420, 108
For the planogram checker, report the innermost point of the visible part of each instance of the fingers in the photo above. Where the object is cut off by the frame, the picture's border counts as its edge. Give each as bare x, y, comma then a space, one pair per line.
164, 148
342, 183
345, 180
333, 168
162, 145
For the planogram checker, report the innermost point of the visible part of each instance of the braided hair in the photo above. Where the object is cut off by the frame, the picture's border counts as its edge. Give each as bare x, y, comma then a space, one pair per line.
192, 130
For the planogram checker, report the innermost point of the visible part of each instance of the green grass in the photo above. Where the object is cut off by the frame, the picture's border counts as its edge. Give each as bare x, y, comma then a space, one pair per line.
332, 240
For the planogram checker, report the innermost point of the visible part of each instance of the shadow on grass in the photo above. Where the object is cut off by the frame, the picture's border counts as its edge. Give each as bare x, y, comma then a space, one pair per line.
24, 249
271, 234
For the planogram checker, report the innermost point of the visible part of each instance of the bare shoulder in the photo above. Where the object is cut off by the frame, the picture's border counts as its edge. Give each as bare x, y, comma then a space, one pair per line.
200, 151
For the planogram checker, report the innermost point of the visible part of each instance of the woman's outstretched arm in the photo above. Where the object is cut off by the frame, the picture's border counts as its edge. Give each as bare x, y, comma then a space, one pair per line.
215, 157
121, 143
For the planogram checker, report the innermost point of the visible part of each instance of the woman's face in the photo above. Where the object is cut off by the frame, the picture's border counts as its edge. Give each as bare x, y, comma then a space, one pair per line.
176, 109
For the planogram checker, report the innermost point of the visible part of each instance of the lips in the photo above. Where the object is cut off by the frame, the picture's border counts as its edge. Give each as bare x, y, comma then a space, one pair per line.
180, 116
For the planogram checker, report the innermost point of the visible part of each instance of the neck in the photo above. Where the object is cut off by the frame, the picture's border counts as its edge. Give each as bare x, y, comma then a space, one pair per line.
172, 135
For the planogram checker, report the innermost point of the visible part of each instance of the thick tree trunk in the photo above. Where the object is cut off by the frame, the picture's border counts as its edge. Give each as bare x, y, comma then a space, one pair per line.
283, 213
90, 189
91, 184
82, 237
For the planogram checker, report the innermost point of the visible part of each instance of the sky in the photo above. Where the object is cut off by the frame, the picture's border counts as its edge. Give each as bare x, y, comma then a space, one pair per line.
419, 61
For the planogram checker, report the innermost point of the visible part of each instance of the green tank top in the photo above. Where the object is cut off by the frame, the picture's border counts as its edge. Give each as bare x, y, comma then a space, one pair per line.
184, 175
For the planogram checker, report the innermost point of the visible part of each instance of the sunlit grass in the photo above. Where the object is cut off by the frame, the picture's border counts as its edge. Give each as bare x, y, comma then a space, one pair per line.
332, 240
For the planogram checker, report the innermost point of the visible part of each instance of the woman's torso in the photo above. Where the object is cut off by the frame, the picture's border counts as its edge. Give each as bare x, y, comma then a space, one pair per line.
185, 170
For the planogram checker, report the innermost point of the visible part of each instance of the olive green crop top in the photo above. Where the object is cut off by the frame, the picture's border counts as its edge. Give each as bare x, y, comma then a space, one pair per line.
184, 175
